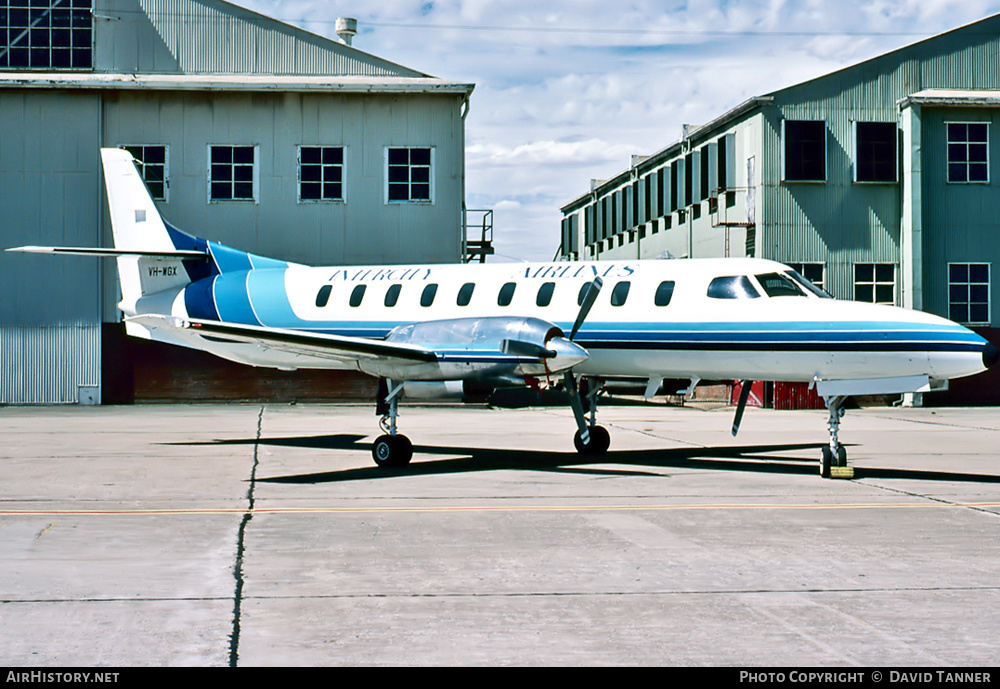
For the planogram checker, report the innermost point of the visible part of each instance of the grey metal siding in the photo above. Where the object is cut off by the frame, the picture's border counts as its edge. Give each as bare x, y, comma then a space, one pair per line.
49, 177
961, 222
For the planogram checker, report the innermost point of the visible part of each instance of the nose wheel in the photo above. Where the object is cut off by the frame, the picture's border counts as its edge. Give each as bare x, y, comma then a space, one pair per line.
834, 454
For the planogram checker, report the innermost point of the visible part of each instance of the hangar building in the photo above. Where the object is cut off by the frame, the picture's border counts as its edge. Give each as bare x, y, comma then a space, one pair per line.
875, 181
251, 132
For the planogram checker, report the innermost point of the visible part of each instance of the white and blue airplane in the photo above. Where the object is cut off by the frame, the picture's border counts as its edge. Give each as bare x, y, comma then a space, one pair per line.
428, 330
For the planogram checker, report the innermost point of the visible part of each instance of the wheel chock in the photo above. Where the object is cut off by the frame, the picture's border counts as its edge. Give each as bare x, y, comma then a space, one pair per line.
841, 472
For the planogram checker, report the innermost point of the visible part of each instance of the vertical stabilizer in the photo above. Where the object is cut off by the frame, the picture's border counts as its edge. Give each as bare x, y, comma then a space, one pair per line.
137, 226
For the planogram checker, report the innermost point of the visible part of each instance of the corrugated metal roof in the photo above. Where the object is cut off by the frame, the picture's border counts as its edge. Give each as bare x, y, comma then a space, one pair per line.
232, 82
957, 97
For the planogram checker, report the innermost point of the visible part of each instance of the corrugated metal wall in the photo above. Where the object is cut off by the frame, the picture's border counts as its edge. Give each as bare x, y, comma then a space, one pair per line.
45, 365
50, 342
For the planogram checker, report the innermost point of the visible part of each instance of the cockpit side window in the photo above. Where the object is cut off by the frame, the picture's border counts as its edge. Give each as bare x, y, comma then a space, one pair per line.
732, 287
779, 285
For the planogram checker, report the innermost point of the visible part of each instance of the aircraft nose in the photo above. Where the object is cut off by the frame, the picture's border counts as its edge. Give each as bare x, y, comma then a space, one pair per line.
990, 355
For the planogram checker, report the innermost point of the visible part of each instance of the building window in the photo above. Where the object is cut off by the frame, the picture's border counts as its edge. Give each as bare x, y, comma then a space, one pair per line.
47, 34
321, 173
232, 173
152, 164
875, 151
804, 143
969, 293
408, 175
875, 283
813, 272
968, 152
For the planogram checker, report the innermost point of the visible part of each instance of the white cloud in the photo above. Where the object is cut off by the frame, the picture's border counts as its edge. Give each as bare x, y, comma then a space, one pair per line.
553, 109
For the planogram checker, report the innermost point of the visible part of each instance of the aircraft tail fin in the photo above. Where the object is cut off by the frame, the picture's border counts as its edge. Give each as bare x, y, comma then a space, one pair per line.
151, 255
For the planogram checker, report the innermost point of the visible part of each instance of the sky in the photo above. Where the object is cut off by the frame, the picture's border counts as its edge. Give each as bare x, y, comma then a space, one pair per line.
567, 92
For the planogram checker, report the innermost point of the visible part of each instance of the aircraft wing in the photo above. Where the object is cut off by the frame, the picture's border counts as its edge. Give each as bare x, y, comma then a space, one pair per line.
325, 346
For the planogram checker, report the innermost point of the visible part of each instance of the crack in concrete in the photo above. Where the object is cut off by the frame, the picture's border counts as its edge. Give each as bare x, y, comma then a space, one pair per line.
234, 636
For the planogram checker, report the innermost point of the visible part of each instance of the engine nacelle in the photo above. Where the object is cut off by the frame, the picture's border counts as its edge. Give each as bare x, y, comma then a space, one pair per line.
485, 349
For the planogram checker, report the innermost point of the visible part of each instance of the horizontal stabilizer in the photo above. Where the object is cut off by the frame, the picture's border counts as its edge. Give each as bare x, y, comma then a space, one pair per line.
87, 251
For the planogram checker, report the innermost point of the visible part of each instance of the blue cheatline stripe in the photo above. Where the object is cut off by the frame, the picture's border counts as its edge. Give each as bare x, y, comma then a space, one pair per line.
231, 299
199, 300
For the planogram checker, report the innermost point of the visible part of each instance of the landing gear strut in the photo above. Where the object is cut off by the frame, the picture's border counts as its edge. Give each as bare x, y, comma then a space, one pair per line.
834, 454
392, 449
590, 439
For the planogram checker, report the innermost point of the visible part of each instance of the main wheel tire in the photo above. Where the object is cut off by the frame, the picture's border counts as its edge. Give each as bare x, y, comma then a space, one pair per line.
392, 450
826, 462
600, 441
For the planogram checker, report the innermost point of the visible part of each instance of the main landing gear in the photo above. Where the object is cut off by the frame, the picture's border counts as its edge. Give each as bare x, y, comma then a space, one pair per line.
834, 459
391, 449
589, 439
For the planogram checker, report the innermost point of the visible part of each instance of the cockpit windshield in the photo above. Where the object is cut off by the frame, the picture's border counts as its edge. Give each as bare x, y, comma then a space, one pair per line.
733, 287
808, 285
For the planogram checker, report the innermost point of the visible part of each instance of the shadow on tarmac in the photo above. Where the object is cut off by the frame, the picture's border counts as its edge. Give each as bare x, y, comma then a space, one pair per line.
745, 458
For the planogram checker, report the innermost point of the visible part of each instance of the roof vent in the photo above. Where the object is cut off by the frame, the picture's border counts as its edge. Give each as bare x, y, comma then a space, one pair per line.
346, 28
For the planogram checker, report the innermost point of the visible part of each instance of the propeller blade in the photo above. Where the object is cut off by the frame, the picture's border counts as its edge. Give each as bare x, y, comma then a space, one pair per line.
588, 301
577, 405
744, 395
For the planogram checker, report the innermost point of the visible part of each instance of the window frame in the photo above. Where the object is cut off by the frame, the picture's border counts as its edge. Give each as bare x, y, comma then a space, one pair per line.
786, 142
143, 166
799, 267
967, 162
875, 283
80, 16
856, 157
968, 284
410, 166
342, 166
255, 184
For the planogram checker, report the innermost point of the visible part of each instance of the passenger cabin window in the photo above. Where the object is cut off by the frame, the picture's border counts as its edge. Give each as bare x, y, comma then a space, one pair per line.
506, 294
663, 293
465, 294
620, 293
427, 296
582, 294
734, 287
544, 297
778, 285
357, 294
323, 296
392, 295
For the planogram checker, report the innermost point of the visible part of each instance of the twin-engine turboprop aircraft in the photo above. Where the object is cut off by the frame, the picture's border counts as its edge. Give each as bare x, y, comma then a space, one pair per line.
432, 330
